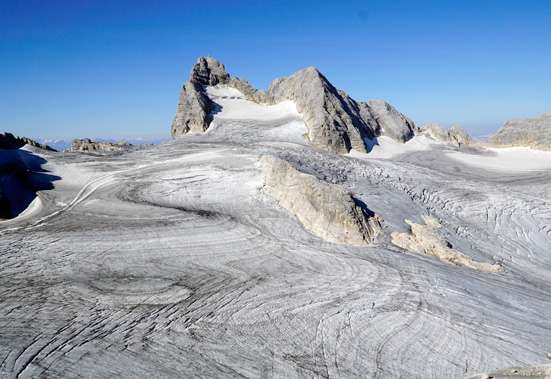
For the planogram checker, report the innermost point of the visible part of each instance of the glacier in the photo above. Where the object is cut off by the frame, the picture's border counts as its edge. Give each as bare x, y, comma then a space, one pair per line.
170, 261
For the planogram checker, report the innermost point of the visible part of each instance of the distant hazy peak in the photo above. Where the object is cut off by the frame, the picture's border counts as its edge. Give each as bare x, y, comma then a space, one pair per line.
209, 72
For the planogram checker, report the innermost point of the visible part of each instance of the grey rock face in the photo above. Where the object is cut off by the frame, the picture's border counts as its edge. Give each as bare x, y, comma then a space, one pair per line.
193, 113
532, 132
327, 210
209, 72
439, 132
335, 122
393, 124
86, 144
8, 141
461, 134
333, 119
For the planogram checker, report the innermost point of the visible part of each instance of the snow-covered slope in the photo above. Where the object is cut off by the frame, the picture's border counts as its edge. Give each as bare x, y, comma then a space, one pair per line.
171, 262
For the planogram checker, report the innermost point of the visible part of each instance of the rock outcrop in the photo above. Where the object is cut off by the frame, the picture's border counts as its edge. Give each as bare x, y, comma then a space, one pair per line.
86, 144
335, 122
392, 123
8, 141
194, 108
424, 239
526, 372
531, 132
327, 210
456, 135
461, 134
439, 132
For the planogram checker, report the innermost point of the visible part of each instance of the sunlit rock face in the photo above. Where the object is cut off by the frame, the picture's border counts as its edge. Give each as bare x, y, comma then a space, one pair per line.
531, 132
328, 210
335, 122
200, 257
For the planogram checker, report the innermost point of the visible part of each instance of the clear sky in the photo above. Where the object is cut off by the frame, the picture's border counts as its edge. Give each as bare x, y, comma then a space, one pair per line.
113, 69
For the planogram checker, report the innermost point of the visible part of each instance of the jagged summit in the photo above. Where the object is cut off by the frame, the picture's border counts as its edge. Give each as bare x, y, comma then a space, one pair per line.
335, 122
209, 72
532, 132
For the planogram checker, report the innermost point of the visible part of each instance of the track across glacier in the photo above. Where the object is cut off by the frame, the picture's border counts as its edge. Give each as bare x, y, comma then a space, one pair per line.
170, 262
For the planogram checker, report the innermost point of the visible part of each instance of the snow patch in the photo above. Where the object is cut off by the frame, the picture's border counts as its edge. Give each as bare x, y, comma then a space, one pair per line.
512, 159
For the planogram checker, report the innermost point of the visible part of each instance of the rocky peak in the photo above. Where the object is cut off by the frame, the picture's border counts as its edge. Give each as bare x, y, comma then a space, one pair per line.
209, 72
335, 122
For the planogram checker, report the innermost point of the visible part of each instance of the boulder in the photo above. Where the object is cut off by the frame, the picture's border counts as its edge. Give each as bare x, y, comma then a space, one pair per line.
327, 210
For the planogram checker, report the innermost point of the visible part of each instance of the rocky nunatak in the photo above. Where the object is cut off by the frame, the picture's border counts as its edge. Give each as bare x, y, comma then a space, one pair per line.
327, 210
335, 122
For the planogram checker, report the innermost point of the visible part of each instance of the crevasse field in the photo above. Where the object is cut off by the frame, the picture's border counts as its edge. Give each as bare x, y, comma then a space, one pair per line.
170, 261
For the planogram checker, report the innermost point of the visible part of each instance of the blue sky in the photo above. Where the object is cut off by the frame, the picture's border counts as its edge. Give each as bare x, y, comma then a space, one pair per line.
113, 69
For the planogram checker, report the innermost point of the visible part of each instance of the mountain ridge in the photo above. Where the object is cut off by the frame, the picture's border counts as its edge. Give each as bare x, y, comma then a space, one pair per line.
335, 122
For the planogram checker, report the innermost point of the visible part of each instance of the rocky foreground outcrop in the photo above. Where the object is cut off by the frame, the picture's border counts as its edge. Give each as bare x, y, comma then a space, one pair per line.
327, 210
528, 372
531, 132
424, 239
8, 142
335, 122
455, 135
86, 144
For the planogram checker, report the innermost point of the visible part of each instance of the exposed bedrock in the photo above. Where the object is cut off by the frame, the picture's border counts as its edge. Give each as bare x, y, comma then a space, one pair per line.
530, 372
8, 142
531, 132
461, 134
209, 72
392, 123
335, 122
86, 144
193, 113
455, 135
424, 239
327, 210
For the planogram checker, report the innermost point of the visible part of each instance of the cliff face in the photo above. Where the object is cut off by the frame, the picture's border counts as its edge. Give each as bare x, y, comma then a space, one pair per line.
335, 122
532, 132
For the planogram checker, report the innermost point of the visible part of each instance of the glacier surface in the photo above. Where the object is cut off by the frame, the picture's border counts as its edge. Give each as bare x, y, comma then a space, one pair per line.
169, 261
